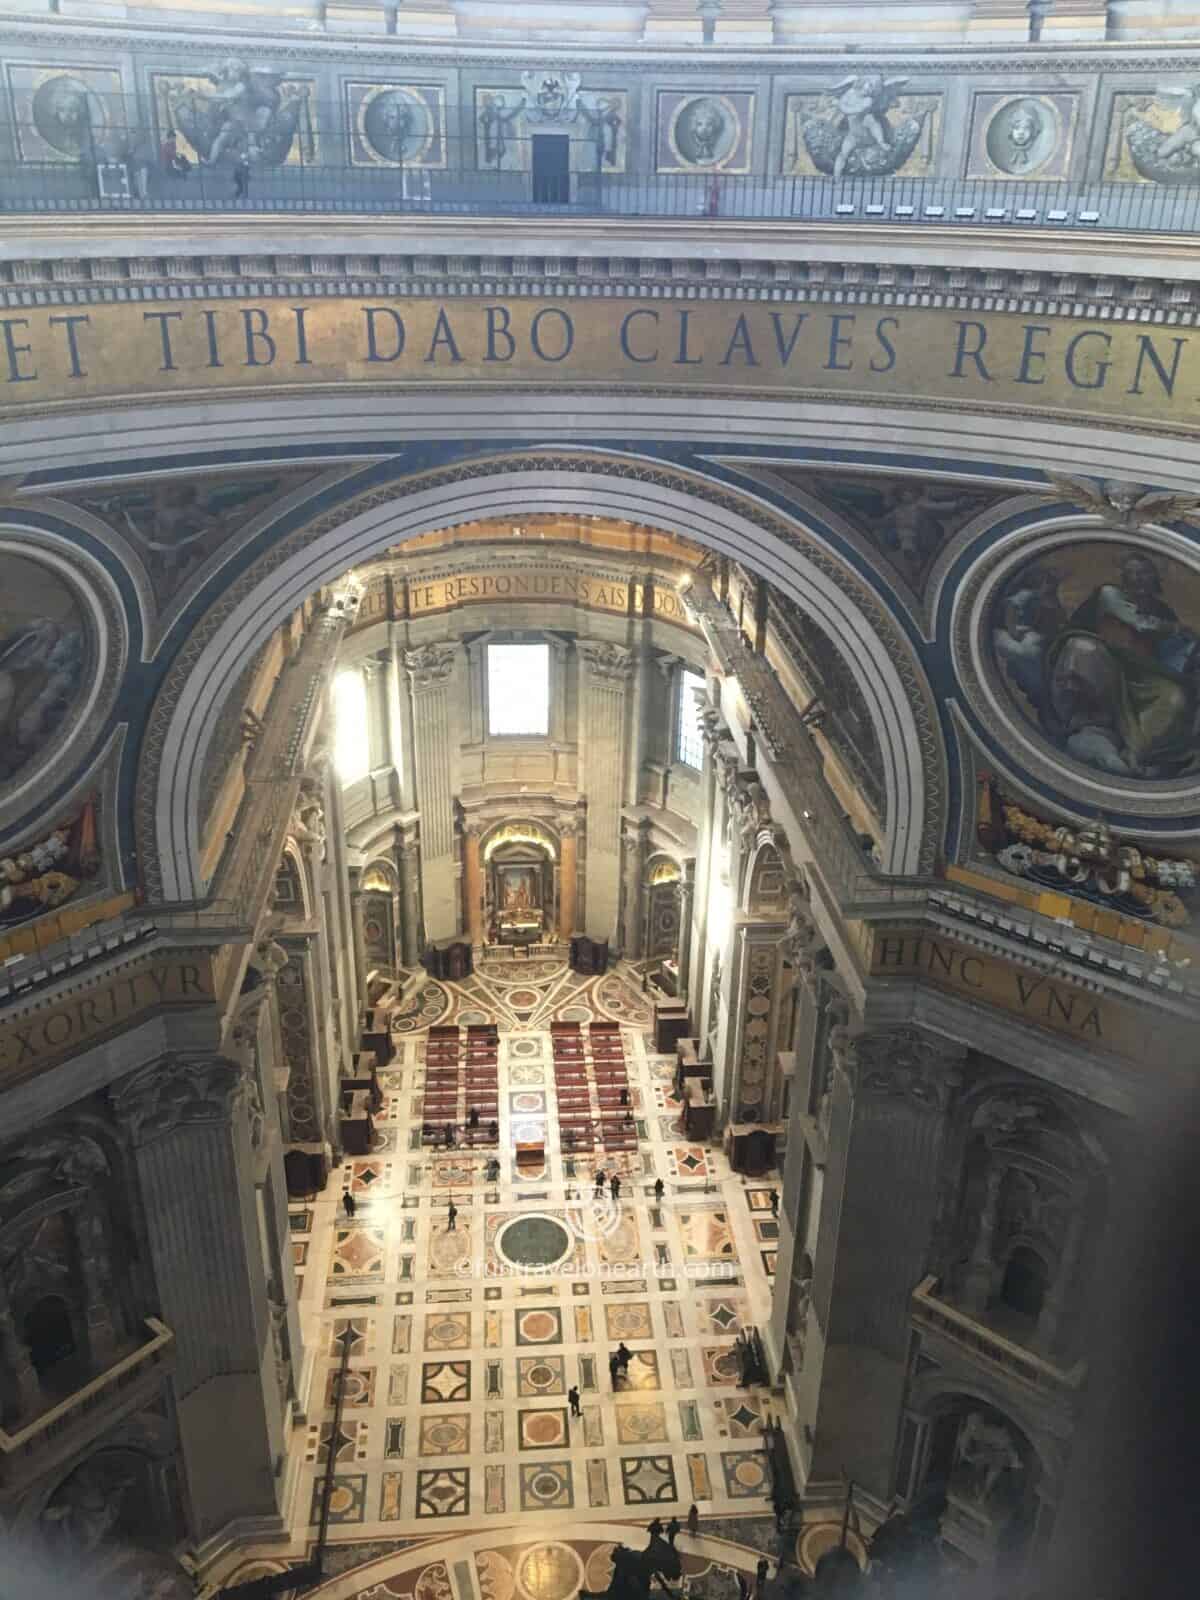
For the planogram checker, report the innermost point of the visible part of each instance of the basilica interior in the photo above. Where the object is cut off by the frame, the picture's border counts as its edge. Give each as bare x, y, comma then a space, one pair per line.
599, 808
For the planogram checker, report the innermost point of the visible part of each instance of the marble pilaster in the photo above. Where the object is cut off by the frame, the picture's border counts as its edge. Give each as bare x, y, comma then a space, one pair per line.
430, 673
605, 671
194, 1161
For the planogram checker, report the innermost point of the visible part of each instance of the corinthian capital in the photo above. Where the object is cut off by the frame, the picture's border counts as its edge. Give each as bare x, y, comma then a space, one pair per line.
608, 663
907, 1064
157, 1099
430, 664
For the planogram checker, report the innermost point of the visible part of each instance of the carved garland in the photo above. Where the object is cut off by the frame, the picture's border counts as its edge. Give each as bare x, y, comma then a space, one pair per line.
881, 621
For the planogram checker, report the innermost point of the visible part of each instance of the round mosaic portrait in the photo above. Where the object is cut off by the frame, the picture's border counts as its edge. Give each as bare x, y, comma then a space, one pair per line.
44, 663
1096, 645
705, 131
396, 125
1022, 135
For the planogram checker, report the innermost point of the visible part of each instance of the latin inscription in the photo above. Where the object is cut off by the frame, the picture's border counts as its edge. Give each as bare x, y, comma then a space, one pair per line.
994, 357
69, 1025
1038, 999
596, 594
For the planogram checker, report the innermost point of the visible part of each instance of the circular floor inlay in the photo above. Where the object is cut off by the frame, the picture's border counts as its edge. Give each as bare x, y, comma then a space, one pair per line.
546, 1428
533, 1241
523, 998
575, 1014
749, 1473
549, 1571
471, 1019
525, 1047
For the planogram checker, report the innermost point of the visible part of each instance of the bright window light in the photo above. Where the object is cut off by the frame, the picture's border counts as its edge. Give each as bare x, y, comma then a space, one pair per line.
350, 726
519, 689
689, 747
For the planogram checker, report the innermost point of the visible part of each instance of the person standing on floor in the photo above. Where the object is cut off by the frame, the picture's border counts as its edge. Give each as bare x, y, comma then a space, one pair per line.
655, 1529
451, 1218
600, 1180
693, 1522
473, 1117
573, 1401
241, 178
760, 1575
350, 1203
614, 1187
659, 1191
623, 1358
614, 1370
673, 1528
774, 1202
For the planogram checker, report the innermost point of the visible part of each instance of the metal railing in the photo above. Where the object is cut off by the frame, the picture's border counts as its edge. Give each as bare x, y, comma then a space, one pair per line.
124, 187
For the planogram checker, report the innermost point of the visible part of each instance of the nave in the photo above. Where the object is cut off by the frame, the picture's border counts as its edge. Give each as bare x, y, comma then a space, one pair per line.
465, 1339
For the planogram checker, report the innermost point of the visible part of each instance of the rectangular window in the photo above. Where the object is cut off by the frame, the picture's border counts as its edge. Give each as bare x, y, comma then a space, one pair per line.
519, 689
350, 726
689, 747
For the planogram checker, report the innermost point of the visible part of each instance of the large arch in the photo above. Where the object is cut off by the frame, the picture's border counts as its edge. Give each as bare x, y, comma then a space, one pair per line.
778, 549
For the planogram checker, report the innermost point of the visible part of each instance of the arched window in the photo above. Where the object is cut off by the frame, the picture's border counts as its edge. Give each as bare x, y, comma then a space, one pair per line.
689, 747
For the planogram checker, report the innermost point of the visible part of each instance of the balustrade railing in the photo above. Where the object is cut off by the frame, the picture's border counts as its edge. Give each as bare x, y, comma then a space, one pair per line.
938, 1316
45, 1430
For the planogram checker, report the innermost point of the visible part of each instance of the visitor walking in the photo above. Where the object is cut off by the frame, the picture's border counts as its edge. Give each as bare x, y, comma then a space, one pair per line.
614, 1370
573, 1401
673, 1528
693, 1520
241, 178
655, 1529
623, 1358
451, 1218
614, 1187
350, 1203
600, 1182
659, 1191
473, 1117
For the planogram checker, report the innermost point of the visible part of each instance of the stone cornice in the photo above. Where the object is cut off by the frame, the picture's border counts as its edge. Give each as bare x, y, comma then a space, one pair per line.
198, 38
849, 278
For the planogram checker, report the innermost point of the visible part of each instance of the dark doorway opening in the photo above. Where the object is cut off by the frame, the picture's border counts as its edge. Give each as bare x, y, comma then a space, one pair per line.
49, 1335
551, 169
1024, 1286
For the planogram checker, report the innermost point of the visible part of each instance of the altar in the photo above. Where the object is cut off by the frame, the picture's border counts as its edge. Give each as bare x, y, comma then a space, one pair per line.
520, 889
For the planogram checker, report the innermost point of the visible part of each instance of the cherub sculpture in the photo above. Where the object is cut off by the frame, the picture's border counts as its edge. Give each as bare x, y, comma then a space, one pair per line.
862, 102
246, 115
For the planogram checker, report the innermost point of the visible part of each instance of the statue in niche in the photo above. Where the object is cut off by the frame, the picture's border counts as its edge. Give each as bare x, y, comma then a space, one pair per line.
246, 117
986, 1461
859, 140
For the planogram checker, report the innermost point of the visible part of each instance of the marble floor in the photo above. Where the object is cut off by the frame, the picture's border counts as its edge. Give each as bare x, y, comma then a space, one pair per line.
461, 1358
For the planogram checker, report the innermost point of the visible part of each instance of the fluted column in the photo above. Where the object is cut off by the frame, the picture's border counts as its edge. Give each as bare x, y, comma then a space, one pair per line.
430, 675
473, 879
633, 851
605, 671
568, 868
981, 1269
187, 1122
93, 1252
407, 854
686, 890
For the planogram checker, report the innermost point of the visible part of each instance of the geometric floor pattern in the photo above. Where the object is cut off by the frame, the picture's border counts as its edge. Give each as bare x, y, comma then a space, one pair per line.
456, 1404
